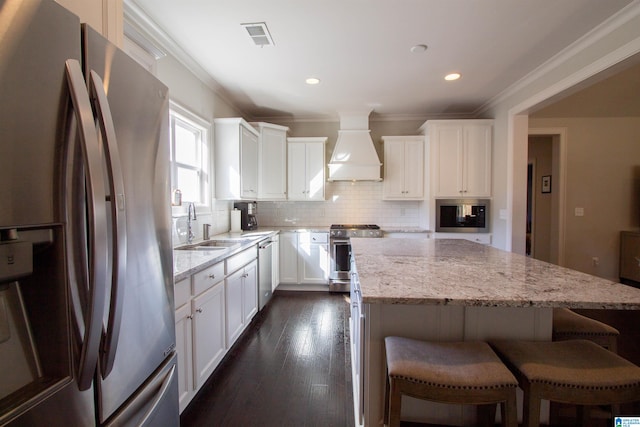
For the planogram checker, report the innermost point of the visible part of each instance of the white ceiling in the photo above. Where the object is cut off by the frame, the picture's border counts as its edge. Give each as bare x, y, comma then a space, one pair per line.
360, 50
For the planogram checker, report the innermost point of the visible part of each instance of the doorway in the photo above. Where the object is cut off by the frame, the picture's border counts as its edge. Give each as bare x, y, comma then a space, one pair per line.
546, 154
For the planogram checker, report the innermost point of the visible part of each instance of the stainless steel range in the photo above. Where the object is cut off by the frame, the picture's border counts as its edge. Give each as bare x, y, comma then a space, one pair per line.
341, 251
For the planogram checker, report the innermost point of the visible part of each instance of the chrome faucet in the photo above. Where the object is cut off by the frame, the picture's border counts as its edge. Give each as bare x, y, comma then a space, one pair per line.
191, 215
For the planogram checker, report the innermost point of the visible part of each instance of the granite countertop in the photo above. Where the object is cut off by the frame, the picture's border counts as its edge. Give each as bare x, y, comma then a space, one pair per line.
186, 262
405, 230
460, 272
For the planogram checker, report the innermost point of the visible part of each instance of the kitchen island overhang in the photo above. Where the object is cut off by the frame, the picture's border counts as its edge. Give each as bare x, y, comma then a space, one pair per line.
459, 290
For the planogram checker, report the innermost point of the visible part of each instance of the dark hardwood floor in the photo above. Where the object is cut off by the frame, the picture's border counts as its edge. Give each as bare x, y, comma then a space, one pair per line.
291, 367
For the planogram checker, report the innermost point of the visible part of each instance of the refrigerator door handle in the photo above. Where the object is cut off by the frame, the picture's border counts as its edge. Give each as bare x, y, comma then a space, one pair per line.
166, 384
118, 222
96, 223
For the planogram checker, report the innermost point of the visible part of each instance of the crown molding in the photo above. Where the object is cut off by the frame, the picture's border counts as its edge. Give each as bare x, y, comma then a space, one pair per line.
623, 16
137, 17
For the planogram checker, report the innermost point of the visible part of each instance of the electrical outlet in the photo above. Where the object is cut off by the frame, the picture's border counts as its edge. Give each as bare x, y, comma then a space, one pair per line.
596, 261
579, 211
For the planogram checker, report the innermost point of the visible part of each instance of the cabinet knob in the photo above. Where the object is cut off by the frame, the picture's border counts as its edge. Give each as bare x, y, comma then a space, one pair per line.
212, 276
190, 317
199, 310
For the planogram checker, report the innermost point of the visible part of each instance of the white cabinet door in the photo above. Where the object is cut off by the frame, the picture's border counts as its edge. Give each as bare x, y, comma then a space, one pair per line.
235, 317
249, 292
297, 172
461, 157
414, 169
184, 349
272, 162
249, 164
393, 184
447, 160
306, 168
315, 171
275, 262
208, 332
313, 258
477, 169
236, 159
288, 257
403, 168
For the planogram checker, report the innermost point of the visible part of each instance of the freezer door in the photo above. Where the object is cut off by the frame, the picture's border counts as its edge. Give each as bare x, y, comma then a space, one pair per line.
36, 39
155, 404
138, 105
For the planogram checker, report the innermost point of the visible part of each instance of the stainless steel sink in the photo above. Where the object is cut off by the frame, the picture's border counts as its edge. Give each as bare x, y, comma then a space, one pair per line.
216, 243
211, 248
209, 245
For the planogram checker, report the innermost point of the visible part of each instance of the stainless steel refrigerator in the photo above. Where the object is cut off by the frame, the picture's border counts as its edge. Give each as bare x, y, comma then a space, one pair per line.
87, 331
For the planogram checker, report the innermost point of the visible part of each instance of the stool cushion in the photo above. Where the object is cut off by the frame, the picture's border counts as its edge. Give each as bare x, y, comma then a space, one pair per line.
567, 322
577, 364
461, 365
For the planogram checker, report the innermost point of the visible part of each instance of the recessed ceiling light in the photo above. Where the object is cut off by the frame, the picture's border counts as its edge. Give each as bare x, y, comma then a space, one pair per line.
452, 76
312, 81
419, 48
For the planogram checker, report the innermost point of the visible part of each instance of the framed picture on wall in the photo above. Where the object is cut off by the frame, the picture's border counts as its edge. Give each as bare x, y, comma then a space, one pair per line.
546, 184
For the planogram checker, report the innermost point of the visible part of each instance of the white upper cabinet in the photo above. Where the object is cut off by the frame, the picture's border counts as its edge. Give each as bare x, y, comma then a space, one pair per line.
306, 168
461, 157
272, 161
403, 168
236, 159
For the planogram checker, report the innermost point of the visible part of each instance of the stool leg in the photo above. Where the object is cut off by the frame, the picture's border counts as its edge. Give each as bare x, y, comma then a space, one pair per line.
582, 415
509, 411
395, 403
387, 397
486, 414
531, 406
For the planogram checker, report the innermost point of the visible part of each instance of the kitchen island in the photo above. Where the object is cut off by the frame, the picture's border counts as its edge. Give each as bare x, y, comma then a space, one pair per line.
456, 290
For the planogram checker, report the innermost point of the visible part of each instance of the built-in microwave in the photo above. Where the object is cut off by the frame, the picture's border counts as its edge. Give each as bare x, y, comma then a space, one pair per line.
462, 215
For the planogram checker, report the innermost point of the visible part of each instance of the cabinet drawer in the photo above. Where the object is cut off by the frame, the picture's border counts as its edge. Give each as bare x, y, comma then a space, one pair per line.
182, 292
208, 277
314, 237
240, 260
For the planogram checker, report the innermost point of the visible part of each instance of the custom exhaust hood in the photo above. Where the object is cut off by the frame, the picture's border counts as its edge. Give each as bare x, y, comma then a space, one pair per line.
354, 157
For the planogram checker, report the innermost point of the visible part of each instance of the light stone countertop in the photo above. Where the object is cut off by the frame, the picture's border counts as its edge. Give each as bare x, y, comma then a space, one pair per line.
460, 272
187, 262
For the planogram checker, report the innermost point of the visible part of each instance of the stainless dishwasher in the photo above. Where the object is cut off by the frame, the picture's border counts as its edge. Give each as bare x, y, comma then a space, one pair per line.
265, 276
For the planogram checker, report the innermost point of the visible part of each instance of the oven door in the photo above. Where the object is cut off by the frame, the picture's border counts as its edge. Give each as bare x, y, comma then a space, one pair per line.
340, 259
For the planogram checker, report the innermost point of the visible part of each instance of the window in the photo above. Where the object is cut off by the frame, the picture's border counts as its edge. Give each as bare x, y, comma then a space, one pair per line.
190, 155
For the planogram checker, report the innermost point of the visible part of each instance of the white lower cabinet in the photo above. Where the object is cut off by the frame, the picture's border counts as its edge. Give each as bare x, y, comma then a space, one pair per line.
242, 300
304, 257
208, 332
184, 348
200, 330
212, 309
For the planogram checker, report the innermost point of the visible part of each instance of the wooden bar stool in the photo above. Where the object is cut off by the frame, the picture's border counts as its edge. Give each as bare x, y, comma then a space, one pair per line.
578, 372
568, 325
448, 372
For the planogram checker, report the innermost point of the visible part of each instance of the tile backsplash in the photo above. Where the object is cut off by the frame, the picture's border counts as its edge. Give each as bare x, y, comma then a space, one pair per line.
346, 203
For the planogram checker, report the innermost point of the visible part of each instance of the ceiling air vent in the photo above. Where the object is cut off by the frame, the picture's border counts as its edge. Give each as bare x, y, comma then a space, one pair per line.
259, 33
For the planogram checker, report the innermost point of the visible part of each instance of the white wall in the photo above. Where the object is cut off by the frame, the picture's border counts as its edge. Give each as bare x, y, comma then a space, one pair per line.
606, 46
603, 178
190, 92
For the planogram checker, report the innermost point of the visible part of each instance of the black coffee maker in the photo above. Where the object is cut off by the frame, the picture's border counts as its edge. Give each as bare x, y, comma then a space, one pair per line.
248, 219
